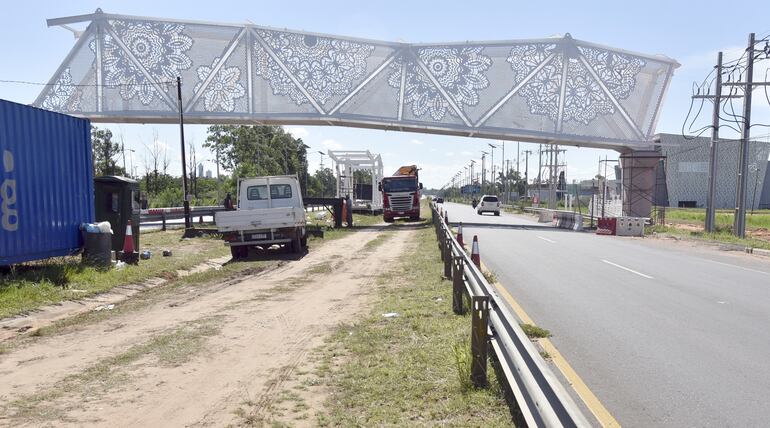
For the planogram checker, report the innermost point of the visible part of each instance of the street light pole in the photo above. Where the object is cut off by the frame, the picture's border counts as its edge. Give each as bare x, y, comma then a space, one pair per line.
323, 186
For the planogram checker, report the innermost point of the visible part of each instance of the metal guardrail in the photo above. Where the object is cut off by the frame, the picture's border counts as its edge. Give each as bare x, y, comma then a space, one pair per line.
155, 215
542, 399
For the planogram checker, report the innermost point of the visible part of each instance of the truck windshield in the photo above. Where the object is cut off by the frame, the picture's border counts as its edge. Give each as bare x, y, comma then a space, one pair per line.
400, 185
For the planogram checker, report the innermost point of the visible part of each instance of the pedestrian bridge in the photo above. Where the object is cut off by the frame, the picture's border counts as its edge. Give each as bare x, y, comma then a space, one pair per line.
124, 69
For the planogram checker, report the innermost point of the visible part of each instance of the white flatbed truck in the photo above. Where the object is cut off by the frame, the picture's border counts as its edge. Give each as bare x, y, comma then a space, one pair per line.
270, 211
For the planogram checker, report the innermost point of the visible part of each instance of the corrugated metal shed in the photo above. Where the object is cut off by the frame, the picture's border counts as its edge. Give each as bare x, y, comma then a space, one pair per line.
46, 186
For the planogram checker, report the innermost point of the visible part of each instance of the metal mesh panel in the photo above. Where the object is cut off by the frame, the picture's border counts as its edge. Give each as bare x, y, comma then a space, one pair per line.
550, 90
687, 170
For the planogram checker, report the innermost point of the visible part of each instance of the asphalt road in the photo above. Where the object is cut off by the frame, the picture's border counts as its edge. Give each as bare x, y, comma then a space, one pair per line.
664, 333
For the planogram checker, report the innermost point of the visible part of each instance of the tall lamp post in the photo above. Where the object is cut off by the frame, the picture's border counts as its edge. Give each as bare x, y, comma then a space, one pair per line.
493, 181
323, 186
483, 169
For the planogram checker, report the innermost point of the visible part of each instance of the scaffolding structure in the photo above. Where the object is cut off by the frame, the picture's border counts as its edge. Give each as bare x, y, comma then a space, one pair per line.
365, 196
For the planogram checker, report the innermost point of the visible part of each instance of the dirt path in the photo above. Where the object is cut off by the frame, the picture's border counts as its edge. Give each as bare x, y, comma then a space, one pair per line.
195, 358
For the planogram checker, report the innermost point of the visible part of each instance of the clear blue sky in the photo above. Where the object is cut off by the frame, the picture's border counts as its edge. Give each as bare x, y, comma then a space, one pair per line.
690, 32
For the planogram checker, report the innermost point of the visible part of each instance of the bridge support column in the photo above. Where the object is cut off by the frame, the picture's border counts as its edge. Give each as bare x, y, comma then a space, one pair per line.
639, 177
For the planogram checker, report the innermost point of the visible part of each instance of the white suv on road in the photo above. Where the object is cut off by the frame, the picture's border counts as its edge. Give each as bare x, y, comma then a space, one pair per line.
488, 204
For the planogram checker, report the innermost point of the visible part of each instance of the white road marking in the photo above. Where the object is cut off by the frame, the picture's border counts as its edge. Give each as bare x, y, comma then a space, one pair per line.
547, 240
739, 267
627, 269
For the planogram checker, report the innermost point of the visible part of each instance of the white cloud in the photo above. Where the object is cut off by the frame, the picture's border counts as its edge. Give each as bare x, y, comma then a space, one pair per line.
465, 153
331, 144
416, 141
449, 154
297, 131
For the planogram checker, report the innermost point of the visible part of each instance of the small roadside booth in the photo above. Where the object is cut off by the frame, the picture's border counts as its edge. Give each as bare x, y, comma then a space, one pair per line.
116, 199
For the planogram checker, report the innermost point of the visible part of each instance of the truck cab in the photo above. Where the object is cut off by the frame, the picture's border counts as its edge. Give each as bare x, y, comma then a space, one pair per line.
270, 210
401, 195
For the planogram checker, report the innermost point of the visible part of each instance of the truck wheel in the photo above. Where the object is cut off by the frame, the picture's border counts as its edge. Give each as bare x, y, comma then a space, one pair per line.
239, 252
296, 245
303, 241
388, 220
497, 213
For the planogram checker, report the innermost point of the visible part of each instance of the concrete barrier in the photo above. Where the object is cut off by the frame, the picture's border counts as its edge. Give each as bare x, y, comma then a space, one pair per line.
568, 220
630, 226
545, 216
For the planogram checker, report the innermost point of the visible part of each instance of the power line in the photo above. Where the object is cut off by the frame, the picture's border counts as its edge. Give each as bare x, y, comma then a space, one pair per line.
81, 85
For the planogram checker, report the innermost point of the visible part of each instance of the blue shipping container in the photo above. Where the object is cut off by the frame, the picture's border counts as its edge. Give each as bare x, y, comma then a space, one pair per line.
46, 183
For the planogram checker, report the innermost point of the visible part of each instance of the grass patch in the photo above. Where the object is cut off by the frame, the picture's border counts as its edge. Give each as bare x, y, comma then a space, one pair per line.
489, 276
720, 236
759, 220
170, 348
535, 332
319, 269
377, 241
360, 221
407, 370
27, 287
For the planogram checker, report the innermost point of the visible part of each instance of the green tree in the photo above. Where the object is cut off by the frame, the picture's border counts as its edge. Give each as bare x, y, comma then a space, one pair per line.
516, 182
104, 153
322, 184
250, 151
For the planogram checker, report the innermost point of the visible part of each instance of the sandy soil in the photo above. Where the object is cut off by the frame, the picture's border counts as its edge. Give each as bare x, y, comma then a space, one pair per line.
195, 358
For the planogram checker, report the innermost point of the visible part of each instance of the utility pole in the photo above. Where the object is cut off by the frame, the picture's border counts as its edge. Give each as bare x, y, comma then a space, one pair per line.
539, 172
739, 221
483, 169
219, 183
710, 203
186, 202
518, 153
493, 181
123, 149
526, 170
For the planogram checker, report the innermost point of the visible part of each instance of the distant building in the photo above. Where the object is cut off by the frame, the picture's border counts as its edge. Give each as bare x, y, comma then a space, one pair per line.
208, 173
685, 172
200, 170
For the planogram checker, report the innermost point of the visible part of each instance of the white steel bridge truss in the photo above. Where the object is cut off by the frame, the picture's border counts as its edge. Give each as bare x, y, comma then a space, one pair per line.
123, 69
349, 161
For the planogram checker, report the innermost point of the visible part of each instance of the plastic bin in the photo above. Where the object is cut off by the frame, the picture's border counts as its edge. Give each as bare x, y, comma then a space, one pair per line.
97, 249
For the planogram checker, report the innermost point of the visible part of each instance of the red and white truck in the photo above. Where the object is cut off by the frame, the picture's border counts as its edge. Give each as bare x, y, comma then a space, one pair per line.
401, 194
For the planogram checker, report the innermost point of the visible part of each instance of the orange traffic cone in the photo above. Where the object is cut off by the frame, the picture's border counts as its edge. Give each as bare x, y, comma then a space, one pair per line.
344, 210
128, 242
475, 258
460, 234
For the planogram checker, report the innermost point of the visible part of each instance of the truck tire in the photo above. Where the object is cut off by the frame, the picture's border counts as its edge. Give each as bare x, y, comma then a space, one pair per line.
296, 245
303, 241
239, 252
388, 220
